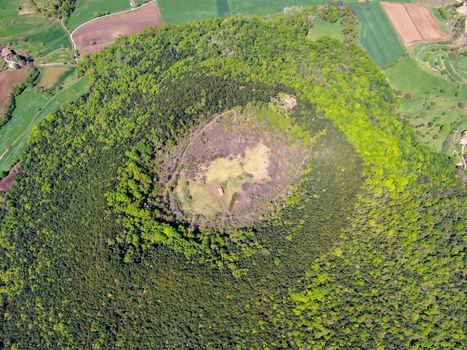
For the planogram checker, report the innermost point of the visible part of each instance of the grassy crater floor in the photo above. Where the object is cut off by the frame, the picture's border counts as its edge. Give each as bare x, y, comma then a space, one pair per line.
241, 162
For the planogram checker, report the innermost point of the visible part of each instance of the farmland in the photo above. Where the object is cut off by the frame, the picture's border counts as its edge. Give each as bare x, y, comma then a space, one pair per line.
413, 22
52, 77
377, 34
8, 79
430, 103
86, 10
32, 107
99, 33
36, 34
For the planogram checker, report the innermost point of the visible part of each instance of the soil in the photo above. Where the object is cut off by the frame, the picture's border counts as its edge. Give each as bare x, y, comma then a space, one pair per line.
7, 181
8, 80
232, 171
102, 32
413, 22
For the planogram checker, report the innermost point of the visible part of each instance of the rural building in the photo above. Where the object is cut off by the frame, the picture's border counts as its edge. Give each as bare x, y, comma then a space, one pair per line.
5, 52
220, 190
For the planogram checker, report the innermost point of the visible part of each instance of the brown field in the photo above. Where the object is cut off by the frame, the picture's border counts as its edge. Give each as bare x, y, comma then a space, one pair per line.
413, 22
8, 79
101, 32
7, 181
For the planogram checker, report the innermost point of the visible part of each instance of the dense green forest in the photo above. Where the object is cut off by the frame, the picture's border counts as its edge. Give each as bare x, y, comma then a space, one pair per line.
365, 252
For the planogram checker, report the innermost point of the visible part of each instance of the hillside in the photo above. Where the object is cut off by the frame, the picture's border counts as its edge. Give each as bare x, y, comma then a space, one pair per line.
115, 235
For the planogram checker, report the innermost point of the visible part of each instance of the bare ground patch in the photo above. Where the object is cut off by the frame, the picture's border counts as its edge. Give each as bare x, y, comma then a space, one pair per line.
413, 22
234, 168
7, 181
8, 80
102, 32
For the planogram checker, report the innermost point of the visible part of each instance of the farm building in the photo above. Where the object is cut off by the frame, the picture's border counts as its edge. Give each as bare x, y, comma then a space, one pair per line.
5, 52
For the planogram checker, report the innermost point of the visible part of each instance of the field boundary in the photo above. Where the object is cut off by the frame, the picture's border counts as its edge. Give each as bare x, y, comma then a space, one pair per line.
110, 14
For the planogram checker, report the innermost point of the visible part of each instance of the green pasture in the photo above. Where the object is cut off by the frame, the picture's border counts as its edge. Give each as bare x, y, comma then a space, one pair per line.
37, 34
32, 108
377, 34
429, 102
439, 57
179, 11
88, 9
323, 28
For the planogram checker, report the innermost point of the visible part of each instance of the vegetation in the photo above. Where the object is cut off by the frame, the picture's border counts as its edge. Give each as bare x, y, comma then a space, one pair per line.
31, 108
54, 8
377, 34
86, 10
51, 78
366, 252
430, 103
35, 33
322, 28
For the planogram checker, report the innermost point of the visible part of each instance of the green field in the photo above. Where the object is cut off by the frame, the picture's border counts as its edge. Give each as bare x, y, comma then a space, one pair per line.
179, 11
430, 103
32, 107
377, 34
323, 28
37, 34
88, 9
444, 59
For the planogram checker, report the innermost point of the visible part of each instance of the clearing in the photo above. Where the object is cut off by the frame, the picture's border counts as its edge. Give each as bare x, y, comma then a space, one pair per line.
413, 22
101, 32
52, 77
8, 80
237, 165
323, 28
377, 35
7, 181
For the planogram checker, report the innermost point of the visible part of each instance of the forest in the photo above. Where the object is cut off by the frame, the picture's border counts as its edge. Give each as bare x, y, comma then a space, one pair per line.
365, 251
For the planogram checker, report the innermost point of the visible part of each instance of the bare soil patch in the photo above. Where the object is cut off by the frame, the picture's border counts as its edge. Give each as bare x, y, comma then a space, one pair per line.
102, 32
8, 80
413, 22
234, 169
7, 181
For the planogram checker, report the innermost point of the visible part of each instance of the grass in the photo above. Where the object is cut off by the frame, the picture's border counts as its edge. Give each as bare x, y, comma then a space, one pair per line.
88, 9
377, 34
322, 28
52, 77
430, 103
37, 34
57, 56
438, 57
32, 108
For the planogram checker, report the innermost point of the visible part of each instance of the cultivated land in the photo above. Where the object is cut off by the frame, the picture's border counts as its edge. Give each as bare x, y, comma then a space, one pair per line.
234, 167
86, 10
102, 32
377, 34
52, 77
36, 34
433, 105
32, 108
8, 79
413, 22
